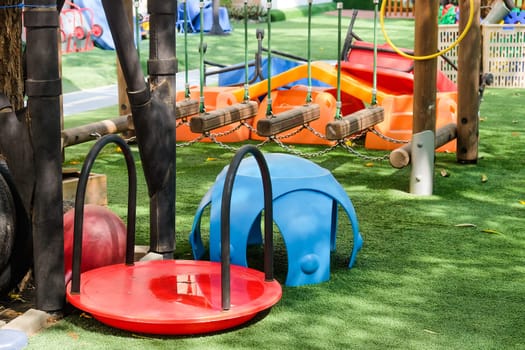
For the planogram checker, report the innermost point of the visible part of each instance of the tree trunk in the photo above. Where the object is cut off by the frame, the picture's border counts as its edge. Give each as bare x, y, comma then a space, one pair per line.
16, 243
216, 28
11, 76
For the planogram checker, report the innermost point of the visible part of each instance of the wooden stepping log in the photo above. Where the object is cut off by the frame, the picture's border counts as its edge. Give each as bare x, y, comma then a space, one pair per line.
400, 158
186, 108
84, 133
287, 120
354, 123
208, 121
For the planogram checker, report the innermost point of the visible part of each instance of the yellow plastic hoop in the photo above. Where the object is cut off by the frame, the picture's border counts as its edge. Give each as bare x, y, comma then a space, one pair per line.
431, 56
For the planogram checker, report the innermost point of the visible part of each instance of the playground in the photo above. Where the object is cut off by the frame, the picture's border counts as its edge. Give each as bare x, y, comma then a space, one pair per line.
444, 271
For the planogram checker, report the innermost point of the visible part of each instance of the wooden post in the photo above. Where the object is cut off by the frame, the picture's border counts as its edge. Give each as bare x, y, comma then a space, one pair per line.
43, 88
123, 102
425, 76
469, 56
425, 72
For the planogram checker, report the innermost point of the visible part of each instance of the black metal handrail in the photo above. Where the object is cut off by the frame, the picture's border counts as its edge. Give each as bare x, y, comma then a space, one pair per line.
225, 219
79, 205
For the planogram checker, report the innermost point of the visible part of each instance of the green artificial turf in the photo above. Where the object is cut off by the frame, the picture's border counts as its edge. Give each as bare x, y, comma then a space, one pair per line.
84, 70
445, 271
423, 280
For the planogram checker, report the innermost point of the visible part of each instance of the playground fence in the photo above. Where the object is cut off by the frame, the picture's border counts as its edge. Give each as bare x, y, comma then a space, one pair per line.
399, 8
503, 53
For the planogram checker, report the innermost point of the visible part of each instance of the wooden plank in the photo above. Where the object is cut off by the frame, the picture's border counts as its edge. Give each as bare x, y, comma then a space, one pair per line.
224, 116
287, 120
354, 123
186, 108
400, 158
84, 133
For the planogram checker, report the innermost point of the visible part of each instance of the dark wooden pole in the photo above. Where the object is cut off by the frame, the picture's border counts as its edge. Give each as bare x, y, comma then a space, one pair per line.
469, 56
216, 28
43, 88
123, 102
154, 127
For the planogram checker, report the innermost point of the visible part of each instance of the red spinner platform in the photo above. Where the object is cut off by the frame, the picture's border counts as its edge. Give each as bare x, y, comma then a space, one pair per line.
172, 297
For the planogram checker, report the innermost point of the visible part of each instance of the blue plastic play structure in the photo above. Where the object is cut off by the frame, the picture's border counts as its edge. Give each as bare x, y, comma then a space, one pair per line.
236, 77
305, 205
193, 17
12, 339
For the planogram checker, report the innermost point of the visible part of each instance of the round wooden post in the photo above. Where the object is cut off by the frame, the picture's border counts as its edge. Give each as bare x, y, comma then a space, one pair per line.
425, 75
469, 56
123, 102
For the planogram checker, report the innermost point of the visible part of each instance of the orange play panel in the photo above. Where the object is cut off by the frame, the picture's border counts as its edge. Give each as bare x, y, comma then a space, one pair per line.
399, 116
394, 93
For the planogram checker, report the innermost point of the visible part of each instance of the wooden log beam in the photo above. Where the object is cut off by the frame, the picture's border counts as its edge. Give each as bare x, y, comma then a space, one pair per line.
186, 108
287, 120
400, 158
84, 133
354, 123
224, 116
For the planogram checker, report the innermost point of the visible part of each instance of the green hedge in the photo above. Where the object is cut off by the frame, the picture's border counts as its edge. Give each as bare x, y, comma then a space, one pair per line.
301, 11
358, 4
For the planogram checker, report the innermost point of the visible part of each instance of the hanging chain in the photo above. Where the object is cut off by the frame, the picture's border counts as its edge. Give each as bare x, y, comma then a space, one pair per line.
344, 143
346, 146
189, 143
296, 152
387, 138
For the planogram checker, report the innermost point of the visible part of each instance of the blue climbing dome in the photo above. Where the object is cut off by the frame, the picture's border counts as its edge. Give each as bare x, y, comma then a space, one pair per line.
305, 205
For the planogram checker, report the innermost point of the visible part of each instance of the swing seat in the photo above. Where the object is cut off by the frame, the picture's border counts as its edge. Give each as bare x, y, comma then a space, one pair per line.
186, 108
286, 100
215, 98
354, 123
224, 116
306, 198
289, 119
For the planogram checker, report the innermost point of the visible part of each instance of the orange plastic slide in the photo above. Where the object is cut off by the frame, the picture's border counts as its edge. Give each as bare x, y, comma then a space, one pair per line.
356, 90
398, 108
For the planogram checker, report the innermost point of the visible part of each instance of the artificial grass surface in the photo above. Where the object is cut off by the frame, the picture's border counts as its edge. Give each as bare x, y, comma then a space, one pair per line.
420, 281
84, 70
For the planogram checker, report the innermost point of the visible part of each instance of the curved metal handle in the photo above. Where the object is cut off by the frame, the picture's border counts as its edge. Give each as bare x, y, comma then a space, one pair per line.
225, 219
79, 204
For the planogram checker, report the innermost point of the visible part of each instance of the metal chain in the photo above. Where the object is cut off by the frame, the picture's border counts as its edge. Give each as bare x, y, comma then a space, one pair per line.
387, 138
361, 155
315, 132
249, 126
278, 140
182, 122
225, 133
293, 133
189, 143
213, 137
299, 153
